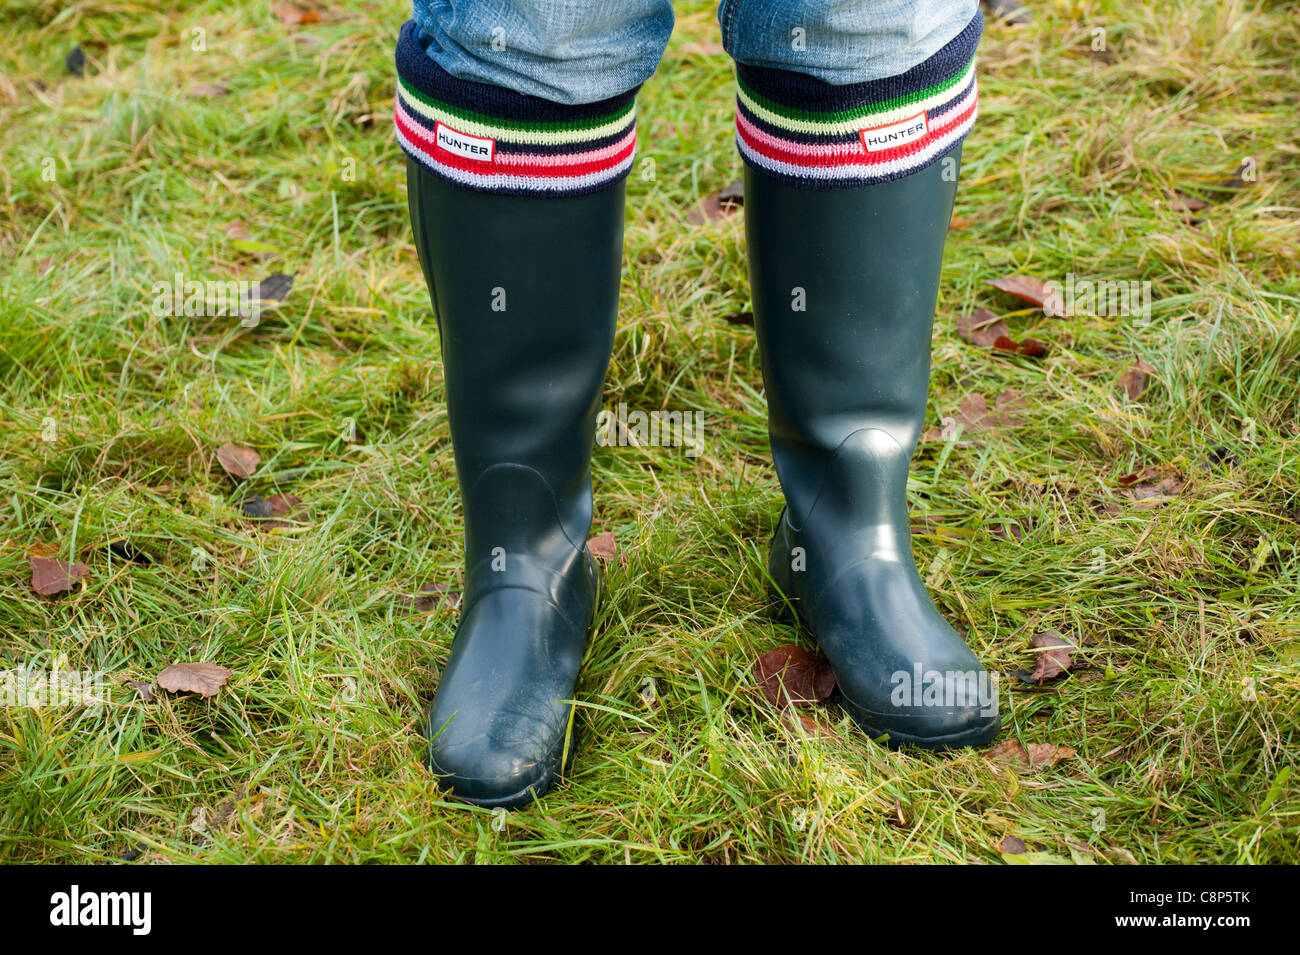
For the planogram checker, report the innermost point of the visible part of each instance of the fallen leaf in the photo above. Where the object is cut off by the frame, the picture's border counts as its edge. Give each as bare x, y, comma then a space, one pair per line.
603, 547
792, 674
274, 288
1181, 202
1032, 290
982, 329
810, 725
1010, 845
740, 318
1030, 347
1047, 755
1037, 756
1008, 530
1134, 378
51, 576
957, 223
898, 818
1052, 656
205, 679
712, 208
282, 504
239, 462
290, 14
431, 595
208, 91
975, 416
733, 195
142, 689
1152, 484
237, 230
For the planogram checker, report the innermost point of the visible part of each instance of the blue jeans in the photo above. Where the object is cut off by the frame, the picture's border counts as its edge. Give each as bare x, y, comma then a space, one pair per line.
583, 51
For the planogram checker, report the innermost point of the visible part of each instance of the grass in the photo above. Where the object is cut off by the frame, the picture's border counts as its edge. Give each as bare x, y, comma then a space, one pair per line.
1183, 723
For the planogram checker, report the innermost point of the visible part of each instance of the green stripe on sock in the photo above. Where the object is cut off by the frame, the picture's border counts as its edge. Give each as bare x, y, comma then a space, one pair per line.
858, 112
513, 125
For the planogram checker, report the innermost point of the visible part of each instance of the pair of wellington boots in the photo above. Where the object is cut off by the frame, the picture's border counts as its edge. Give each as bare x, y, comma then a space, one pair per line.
525, 290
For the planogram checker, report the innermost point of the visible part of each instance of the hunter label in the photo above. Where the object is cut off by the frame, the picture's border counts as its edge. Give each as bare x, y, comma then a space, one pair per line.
461, 144
899, 133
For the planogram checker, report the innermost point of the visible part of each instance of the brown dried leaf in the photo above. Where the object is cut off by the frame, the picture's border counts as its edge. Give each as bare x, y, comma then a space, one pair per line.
144, 690
1032, 290
290, 14
1047, 755
239, 462
1134, 378
734, 194
208, 90
51, 576
1006, 529
810, 725
982, 329
792, 674
1152, 484
1052, 653
975, 416
957, 223
1008, 751
1181, 202
205, 679
740, 318
711, 209
603, 547
431, 595
1030, 347
238, 231
1037, 756
1011, 845
282, 504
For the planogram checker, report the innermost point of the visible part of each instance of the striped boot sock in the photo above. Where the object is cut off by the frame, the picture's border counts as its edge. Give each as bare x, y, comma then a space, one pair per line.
807, 132
491, 139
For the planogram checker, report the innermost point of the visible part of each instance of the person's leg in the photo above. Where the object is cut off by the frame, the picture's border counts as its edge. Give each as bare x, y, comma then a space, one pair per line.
516, 203
851, 137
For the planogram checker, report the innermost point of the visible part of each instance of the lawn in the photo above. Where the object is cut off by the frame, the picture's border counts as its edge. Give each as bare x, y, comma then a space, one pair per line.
1153, 526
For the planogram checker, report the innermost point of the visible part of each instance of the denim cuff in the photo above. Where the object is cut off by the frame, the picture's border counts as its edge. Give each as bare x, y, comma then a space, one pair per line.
495, 140
807, 132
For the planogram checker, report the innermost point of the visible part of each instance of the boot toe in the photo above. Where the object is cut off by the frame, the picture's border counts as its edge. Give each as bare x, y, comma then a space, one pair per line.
952, 712
487, 772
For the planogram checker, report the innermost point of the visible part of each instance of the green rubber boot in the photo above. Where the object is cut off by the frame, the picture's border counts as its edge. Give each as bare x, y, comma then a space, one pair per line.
526, 293
844, 285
